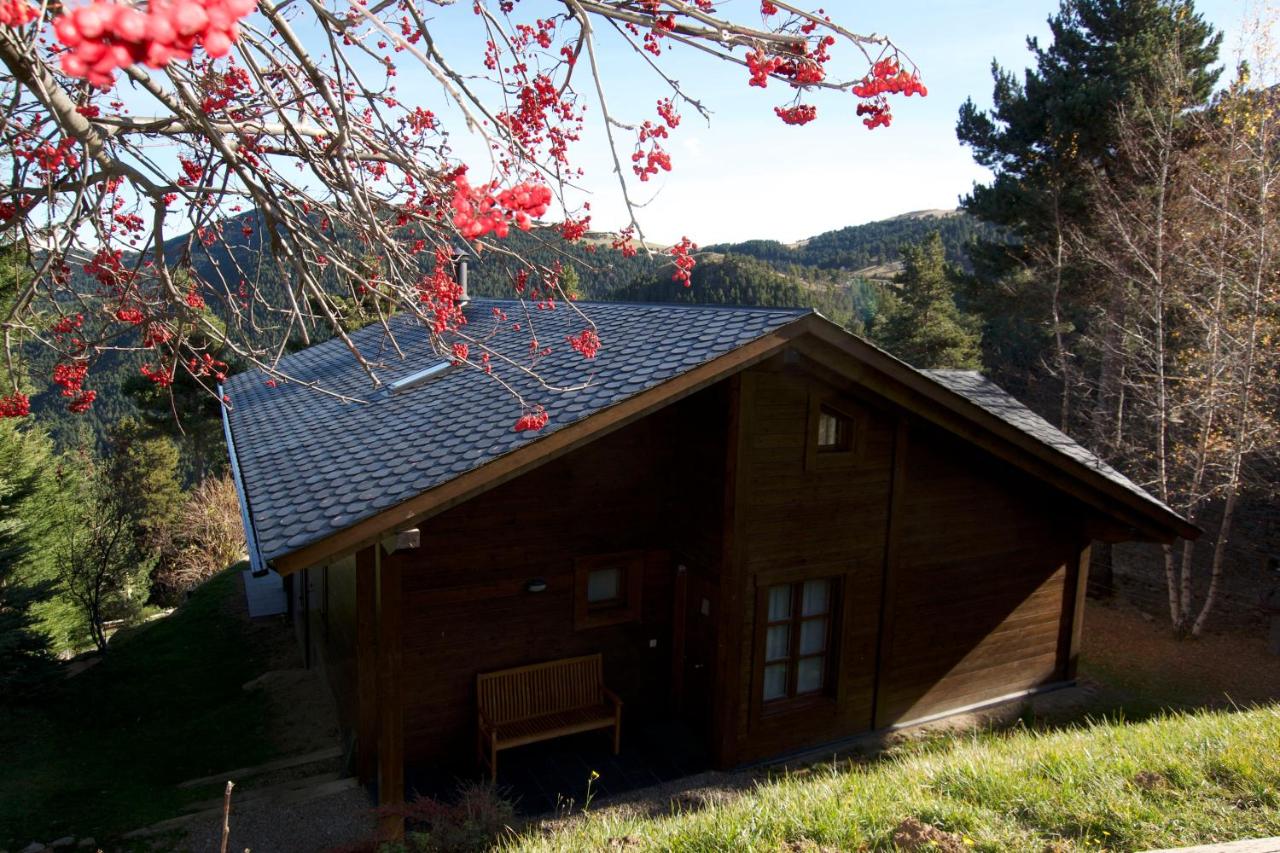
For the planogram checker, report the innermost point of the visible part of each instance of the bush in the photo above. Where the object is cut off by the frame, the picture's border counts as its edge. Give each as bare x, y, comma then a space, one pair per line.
476, 820
205, 537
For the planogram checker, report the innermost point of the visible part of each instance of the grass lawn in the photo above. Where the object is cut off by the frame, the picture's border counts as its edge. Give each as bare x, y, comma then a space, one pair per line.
102, 753
1165, 782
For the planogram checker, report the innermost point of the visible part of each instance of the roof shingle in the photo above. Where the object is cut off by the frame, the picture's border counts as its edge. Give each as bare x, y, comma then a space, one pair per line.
313, 464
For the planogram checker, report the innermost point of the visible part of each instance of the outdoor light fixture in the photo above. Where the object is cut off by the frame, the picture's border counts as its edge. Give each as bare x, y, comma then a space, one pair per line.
536, 585
402, 540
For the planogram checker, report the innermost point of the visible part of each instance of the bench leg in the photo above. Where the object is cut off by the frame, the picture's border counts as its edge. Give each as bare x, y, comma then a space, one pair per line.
617, 734
493, 761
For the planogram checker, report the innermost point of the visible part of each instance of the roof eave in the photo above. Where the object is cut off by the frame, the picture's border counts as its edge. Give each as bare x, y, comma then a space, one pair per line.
1147, 519
1154, 520
256, 564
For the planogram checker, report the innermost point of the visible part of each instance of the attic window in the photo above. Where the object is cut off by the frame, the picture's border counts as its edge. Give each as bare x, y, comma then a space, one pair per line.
413, 380
835, 431
833, 426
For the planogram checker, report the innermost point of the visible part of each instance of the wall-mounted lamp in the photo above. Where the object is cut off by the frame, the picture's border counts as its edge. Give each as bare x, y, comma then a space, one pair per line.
535, 585
401, 540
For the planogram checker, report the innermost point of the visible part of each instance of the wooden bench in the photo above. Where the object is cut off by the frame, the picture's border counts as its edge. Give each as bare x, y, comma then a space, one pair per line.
543, 701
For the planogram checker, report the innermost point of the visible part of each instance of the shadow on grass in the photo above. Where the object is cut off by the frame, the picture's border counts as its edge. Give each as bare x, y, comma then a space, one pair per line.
100, 754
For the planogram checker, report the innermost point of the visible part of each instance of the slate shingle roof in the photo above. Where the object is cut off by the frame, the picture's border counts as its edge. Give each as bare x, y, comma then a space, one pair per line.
312, 464
978, 389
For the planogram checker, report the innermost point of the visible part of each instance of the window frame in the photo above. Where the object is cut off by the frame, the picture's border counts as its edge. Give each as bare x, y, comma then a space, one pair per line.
818, 457
626, 608
829, 697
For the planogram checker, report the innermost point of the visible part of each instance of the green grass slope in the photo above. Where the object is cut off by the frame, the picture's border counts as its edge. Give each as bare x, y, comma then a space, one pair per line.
1167, 782
102, 753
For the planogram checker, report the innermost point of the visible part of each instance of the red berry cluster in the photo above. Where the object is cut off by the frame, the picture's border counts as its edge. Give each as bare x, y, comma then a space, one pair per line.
533, 420
887, 77
667, 111
797, 115
767, 9
15, 13
160, 376
67, 324
70, 376
440, 294
586, 342
16, 405
684, 262
207, 365
104, 36
476, 211
624, 242
877, 114
575, 229
761, 65
647, 164
460, 352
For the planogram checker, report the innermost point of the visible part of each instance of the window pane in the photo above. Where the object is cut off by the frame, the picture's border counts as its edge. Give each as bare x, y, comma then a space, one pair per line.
779, 602
604, 585
810, 674
775, 681
777, 643
827, 427
816, 599
813, 636
833, 430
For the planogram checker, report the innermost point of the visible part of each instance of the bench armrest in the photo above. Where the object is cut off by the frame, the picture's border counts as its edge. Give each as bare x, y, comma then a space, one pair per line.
611, 696
485, 723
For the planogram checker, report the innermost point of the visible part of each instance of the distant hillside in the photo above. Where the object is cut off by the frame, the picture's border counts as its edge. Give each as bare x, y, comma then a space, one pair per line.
840, 273
870, 250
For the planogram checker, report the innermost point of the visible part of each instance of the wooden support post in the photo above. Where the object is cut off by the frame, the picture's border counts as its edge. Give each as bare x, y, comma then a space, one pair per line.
366, 666
1077, 583
729, 655
390, 695
888, 585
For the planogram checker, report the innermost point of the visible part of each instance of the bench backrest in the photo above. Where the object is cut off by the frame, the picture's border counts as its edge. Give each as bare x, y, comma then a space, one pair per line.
517, 694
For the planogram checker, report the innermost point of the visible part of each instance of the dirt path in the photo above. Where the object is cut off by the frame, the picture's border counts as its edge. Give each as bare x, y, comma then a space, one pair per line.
1131, 653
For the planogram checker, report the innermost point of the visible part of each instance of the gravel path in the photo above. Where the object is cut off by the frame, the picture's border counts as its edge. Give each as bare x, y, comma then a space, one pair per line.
339, 820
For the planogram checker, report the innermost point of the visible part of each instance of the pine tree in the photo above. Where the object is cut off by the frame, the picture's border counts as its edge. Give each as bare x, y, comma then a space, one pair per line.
923, 326
1044, 137
25, 655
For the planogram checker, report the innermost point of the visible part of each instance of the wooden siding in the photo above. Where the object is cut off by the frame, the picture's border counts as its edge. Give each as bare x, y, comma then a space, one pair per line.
981, 560
796, 520
651, 486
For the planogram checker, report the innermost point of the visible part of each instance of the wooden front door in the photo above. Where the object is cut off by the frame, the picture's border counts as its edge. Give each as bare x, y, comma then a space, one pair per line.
693, 647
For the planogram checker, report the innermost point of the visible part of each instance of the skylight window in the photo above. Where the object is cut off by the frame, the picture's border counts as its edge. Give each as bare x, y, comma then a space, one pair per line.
413, 380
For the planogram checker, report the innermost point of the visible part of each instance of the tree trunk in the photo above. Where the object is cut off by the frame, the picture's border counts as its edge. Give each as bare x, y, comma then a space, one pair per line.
1219, 553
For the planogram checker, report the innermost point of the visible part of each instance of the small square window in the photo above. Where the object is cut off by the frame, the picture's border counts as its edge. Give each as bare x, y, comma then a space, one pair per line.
607, 589
835, 431
604, 586
833, 438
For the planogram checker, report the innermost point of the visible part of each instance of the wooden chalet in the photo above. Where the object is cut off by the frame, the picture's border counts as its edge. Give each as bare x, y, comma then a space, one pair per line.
749, 519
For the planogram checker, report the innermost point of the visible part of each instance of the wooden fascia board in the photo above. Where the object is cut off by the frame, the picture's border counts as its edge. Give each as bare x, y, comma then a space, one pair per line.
524, 459
970, 421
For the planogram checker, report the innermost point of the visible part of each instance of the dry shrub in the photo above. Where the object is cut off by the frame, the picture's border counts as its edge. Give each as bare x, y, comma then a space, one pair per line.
475, 820
206, 536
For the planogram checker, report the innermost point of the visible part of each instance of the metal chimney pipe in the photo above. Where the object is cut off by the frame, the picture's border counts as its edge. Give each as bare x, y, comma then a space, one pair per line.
460, 274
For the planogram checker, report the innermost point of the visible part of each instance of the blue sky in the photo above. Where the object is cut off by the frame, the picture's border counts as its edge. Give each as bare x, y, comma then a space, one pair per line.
748, 175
